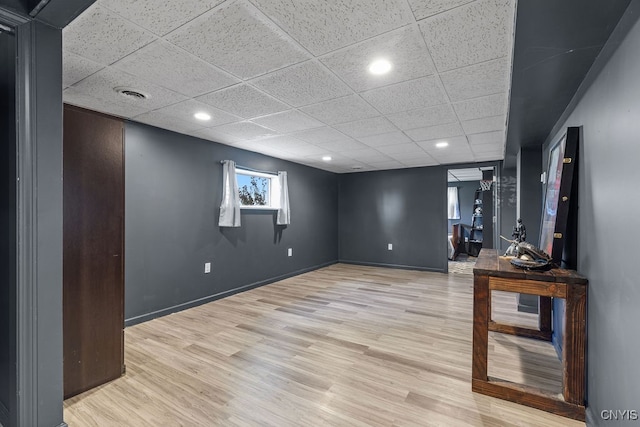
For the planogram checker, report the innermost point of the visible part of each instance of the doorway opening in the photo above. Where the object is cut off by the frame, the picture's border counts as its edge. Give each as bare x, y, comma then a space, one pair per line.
471, 215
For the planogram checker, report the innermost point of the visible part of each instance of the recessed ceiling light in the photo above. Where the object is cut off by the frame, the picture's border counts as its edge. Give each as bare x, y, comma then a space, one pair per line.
442, 144
379, 67
202, 116
326, 158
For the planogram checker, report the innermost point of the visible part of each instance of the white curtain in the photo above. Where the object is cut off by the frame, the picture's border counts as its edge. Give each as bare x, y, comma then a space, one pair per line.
453, 203
284, 214
230, 207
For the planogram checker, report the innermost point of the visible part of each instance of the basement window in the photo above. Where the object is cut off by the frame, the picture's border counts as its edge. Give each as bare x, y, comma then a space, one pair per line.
258, 190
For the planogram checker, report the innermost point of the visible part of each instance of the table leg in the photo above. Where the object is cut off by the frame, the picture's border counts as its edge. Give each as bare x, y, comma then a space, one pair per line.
481, 313
574, 341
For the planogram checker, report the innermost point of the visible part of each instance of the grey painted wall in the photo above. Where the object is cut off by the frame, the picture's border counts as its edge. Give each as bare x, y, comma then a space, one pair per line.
46, 144
404, 207
466, 191
7, 223
530, 191
607, 107
172, 199
507, 203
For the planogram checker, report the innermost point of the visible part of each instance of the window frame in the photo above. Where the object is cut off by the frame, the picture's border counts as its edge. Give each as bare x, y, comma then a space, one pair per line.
273, 189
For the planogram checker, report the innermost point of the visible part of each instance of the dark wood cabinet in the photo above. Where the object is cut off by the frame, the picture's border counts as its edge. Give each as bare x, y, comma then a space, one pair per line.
93, 253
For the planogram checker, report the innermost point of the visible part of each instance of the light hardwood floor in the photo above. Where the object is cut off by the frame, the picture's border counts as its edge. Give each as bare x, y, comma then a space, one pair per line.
341, 346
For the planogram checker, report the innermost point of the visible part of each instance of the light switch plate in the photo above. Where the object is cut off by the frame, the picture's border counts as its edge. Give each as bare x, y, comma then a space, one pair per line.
207, 267
290, 252
390, 246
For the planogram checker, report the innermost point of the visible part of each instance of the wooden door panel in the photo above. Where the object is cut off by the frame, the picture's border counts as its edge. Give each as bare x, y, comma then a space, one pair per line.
93, 249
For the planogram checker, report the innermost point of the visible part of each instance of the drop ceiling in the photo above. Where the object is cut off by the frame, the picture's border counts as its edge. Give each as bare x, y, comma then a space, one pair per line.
291, 80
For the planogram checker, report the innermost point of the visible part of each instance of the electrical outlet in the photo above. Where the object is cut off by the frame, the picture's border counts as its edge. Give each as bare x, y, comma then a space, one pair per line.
207, 267
290, 252
390, 247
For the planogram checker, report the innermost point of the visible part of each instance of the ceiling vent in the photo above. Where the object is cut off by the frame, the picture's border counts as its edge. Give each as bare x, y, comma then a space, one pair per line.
131, 93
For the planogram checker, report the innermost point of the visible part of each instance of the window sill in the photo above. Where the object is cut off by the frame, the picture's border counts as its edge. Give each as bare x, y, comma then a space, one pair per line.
258, 208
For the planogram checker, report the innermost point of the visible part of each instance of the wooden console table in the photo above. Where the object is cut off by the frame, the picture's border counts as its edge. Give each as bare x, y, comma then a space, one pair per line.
493, 272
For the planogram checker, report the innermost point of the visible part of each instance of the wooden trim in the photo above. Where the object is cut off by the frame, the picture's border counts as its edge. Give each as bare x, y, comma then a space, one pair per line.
533, 287
528, 396
519, 331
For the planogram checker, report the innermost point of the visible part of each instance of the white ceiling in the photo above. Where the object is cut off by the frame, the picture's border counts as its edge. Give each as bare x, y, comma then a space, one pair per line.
466, 174
290, 78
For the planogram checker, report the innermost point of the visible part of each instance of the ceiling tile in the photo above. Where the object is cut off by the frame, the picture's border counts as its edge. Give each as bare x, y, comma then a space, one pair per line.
456, 143
389, 164
390, 138
477, 80
487, 138
425, 8
80, 98
470, 34
364, 154
367, 127
160, 17
466, 157
324, 26
213, 134
321, 135
288, 121
244, 101
489, 157
410, 95
421, 162
487, 106
102, 36
279, 142
166, 65
485, 124
167, 121
341, 110
435, 132
403, 156
238, 39
245, 130
186, 109
340, 146
431, 116
487, 148
302, 84
102, 84
404, 48
76, 68
401, 149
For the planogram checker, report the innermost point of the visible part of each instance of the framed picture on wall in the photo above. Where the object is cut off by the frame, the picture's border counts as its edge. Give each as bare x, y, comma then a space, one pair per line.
559, 191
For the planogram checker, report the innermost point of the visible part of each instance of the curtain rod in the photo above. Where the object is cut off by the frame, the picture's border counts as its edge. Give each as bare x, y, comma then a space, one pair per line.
252, 169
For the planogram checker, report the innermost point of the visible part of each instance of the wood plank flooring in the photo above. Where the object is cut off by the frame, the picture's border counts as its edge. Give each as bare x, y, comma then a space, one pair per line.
341, 346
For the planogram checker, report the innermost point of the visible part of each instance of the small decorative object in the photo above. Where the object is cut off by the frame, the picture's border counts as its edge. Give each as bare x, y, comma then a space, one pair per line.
519, 235
519, 231
527, 256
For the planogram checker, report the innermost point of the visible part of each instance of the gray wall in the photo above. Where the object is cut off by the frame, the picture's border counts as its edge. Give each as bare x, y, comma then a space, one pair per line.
466, 191
530, 191
7, 222
607, 107
405, 207
507, 204
172, 199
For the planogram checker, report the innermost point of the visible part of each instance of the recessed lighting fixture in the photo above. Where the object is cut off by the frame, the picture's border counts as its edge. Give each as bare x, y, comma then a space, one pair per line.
326, 158
379, 67
442, 144
202, 116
